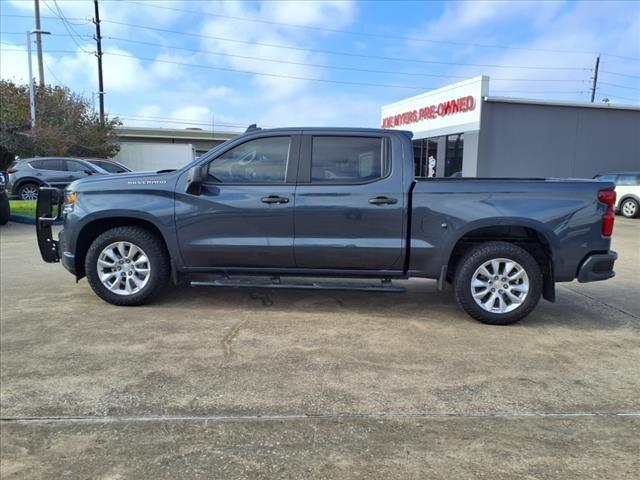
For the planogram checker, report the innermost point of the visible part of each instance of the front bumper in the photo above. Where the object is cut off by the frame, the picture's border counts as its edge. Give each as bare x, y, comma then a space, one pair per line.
597, 266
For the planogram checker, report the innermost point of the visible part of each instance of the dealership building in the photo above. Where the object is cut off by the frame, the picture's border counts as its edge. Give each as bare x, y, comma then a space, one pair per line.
461, 130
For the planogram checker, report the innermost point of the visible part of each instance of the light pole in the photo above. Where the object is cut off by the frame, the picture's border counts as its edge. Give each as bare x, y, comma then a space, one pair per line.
32, 96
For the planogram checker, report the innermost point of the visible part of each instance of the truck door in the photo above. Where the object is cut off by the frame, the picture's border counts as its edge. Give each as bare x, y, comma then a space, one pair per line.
349, 204
243, 216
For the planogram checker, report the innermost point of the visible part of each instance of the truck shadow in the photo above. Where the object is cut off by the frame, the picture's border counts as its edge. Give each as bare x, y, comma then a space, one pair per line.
421, 301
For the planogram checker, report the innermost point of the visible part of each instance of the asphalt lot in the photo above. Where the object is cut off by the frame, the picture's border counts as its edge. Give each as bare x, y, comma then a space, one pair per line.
223, 383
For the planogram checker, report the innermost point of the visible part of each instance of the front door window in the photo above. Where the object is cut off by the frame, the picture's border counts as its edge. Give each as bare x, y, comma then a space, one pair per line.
257, 161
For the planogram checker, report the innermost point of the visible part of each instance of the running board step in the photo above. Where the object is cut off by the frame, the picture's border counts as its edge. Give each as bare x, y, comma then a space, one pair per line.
275, 282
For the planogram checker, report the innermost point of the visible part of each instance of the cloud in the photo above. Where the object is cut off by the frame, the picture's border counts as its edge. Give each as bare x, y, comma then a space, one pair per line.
262, 37
552, 30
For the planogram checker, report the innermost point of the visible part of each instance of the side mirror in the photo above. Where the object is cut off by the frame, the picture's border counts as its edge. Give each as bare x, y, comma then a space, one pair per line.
196, 178
88, 172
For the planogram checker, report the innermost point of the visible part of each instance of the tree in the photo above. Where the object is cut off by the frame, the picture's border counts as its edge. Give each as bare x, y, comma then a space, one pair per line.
66, 124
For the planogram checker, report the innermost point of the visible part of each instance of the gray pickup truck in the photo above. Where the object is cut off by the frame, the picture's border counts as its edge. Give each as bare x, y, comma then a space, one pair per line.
328, 202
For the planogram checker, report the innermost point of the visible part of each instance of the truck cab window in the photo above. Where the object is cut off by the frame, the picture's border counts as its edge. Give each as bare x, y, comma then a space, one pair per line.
347, 159
257, 161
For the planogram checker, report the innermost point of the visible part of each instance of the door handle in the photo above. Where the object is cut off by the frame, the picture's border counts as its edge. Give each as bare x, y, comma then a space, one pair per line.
274, 199
383, 201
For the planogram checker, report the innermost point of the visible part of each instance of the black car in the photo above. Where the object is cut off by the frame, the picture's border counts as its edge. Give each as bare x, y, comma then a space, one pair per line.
110, 166
27, 175
4, 201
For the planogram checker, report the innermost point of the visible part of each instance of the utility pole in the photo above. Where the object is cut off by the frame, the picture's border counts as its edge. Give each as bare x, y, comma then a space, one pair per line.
98, 39
39, 43
32, 95
595, 79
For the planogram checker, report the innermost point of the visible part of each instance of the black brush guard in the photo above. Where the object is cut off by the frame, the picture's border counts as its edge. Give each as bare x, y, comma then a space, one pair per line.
48, 197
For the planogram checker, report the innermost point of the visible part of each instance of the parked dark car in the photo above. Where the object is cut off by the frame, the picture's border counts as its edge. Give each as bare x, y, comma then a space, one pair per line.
628, 190
5, 209
311, 202
27, 175
110, 166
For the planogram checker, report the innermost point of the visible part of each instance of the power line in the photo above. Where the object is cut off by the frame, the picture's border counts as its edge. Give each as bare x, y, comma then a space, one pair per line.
275, 75
51, 72
360, 33
141, 118
415, 39
347, 54
323, 80
292, 77
332, 67
620, 86
620, 74
44, 51
618, 96
61, 17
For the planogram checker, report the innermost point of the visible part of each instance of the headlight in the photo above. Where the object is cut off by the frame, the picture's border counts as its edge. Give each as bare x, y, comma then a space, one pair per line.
70, 199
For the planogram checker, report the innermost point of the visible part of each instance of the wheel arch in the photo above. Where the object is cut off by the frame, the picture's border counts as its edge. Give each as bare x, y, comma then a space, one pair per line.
20, 182
531, 238
92, 229
628, 196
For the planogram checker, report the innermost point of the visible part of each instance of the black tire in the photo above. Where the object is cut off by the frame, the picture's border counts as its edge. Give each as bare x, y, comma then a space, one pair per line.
5, 210
156, 252
22, 191
478, 256
629, 208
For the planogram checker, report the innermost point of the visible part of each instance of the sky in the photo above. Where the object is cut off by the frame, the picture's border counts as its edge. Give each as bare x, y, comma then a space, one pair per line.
227, 64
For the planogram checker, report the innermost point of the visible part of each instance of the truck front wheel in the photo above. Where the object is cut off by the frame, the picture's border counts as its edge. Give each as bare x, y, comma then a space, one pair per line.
498, 283
127, 266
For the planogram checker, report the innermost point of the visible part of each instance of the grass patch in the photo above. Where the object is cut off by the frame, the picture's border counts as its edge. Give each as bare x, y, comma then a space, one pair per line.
26, 208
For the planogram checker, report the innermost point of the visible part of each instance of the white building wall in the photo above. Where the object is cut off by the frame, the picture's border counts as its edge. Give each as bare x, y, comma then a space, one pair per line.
154, 156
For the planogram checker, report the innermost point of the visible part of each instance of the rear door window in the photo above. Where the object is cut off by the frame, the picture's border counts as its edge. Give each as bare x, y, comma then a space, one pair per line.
336, 160
48, 164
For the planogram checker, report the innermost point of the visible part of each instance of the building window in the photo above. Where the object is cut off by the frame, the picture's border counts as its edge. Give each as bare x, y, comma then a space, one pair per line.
453, 160
425, 153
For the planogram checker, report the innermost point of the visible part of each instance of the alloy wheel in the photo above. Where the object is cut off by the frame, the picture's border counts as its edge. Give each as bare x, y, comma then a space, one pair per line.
124, 268
500, 285
29, 192
629, 208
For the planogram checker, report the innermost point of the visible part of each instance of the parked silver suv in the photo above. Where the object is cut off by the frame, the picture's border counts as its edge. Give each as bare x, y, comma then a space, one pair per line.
27, 175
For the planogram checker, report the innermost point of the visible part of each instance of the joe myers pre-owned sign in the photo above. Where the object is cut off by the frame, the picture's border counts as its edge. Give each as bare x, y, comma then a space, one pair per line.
445, 108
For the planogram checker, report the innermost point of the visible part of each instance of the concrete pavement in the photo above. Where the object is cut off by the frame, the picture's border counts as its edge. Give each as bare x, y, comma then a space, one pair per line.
356, 384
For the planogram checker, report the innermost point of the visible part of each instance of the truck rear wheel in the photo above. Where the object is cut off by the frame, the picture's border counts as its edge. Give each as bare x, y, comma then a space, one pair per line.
498, 283
127, 266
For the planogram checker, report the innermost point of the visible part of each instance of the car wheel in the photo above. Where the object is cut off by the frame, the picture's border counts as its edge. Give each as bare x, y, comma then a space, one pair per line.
630, 208
498, 283
127, 266
28, 191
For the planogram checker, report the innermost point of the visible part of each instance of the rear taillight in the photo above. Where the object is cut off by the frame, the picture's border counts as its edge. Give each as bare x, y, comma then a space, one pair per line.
11, 170
608, 197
